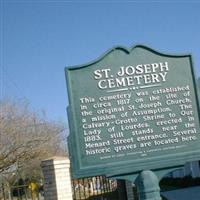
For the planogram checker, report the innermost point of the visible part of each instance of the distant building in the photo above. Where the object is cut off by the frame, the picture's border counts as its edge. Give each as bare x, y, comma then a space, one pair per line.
190, 169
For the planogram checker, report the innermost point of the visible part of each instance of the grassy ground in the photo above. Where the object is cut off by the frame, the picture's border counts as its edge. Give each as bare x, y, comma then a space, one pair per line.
110, 196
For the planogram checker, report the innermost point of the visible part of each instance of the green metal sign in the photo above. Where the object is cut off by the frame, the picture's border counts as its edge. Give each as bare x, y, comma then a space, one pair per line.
132, 110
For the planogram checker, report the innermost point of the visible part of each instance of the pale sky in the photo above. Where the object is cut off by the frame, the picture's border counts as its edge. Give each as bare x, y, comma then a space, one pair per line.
40, 38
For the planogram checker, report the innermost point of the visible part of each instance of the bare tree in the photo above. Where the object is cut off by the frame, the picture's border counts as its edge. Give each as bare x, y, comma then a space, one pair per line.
26, 137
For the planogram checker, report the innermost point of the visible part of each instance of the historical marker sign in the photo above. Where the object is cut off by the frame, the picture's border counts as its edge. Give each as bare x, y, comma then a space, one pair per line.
132, 110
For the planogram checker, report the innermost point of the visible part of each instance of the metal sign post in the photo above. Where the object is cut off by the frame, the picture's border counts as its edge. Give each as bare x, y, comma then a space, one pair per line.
148, 186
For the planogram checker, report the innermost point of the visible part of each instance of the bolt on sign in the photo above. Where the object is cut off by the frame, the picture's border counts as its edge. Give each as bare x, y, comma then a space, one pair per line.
132, 110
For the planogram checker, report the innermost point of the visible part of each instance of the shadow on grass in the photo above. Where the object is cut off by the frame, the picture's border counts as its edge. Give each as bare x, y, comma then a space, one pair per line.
107, 196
